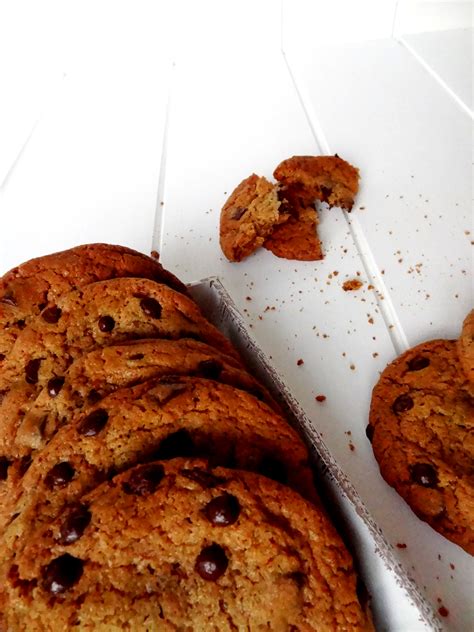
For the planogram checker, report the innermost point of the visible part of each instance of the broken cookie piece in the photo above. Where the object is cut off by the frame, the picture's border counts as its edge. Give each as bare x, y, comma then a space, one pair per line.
248, 217
297, 237
326, 178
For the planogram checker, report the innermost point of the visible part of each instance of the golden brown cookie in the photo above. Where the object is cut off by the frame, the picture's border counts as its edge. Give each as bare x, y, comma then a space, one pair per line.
28, 288
466, 346
248, 217
160, 419
104, 370
296, 238
422, 432
181, 546
326, 178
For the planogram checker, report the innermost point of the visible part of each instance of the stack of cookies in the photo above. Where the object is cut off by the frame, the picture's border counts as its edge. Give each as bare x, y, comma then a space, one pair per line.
147, 480
422, 431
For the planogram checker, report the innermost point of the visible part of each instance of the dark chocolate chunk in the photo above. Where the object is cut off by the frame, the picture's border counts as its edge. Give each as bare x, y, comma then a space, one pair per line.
8, 299
4, 465
418, 362
55, 384
211, 562
238, 212
51, 314
59, 475
151, 307
144, 480
210, 369
77, 519
31, 371
424, 474
106, 324
222, 510
93, 396
93, 423
61, 574
402, 404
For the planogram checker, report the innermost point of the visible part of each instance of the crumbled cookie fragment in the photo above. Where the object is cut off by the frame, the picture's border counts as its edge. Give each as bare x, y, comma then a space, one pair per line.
351, 285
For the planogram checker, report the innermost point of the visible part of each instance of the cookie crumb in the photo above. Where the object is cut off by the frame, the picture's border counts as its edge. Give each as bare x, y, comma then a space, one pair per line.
320, 398
444, 612
300, 362
155, 254
351, 446
352, 367
248, 298
352, 285
401, 545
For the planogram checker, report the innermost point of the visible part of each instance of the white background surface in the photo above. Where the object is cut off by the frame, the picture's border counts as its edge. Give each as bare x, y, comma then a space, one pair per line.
111, 122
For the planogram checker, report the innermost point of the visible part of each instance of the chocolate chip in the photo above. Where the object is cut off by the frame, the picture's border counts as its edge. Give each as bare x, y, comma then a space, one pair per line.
2, 357
31, 371
418, 362
402, 404
21, 324
144, 480
55, 384
151, 307
369, 431
51, 314
137, 356
210, 369
24, 464
4, 465
179, 443
61, 574
74, 525
238, 212
93, 423
424, 474
59, 475
8, 299
203, 477
325, 193
211, 562
93, 396
222, 510
273, 468
106, 323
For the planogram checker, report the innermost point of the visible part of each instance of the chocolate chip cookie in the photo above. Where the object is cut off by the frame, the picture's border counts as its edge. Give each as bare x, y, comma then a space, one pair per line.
27, 289
466, 346
180, 545
329, 179
159, 419
104, 370
248, 217
421, 428
101, 314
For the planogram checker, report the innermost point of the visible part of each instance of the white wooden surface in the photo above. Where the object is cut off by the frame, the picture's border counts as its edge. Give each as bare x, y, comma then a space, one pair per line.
91, 172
